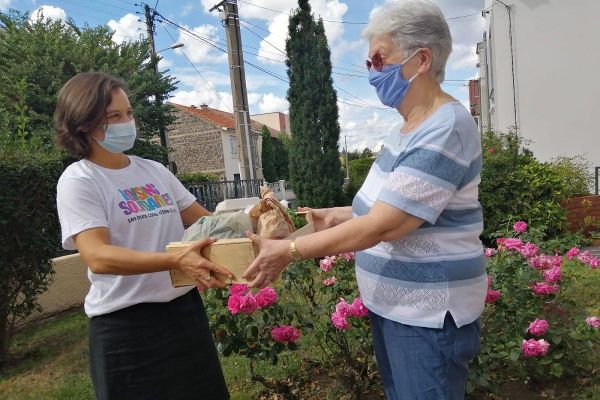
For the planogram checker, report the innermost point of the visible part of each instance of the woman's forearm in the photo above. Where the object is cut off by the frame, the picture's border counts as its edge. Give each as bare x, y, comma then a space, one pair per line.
384, 223
342, 214
109, 259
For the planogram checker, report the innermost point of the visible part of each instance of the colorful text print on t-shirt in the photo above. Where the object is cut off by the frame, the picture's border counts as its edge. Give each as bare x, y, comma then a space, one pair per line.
143, 198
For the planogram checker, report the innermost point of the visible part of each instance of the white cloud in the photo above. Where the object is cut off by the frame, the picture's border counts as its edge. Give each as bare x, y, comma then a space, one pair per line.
186, 9
190, 78
200, 51
164, 63
4, 4
127, 28
48, 12
271, 103
462, 56
277, 22
198, 97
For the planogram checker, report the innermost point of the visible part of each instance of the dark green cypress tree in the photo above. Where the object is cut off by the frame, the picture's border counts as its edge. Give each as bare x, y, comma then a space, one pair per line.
315, 170
267, 155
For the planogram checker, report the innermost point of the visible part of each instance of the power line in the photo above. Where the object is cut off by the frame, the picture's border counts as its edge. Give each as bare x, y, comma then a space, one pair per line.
201, 76
76, 4
260, 37
348, 22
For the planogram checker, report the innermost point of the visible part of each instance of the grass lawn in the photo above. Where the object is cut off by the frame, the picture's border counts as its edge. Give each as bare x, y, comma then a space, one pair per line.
49, 361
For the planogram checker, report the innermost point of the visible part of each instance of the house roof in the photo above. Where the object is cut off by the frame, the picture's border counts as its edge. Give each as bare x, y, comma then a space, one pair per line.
220, 118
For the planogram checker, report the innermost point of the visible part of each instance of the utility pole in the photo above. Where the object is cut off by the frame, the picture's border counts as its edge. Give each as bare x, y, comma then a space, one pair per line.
150, 14
231, 22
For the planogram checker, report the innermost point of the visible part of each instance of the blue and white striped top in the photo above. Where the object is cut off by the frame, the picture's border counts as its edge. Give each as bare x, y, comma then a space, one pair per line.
432, 173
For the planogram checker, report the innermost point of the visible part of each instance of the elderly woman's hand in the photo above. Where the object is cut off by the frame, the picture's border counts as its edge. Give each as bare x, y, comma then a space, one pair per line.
325, 218
273, 257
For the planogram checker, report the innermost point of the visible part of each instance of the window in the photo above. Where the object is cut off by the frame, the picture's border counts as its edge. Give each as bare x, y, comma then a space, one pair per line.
233, 146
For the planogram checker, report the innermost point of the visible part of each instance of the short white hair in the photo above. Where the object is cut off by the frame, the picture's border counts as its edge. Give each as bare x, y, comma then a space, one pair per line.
414, 24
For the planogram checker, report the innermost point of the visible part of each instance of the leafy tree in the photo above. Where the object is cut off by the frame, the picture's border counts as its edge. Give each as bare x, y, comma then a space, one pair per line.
45, 54
315, 171
268, 156
281, 150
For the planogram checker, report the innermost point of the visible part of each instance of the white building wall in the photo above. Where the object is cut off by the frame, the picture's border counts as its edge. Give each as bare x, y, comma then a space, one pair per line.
556, 52
231, 155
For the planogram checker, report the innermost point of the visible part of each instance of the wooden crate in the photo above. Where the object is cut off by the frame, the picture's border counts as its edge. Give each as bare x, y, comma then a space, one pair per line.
234, 254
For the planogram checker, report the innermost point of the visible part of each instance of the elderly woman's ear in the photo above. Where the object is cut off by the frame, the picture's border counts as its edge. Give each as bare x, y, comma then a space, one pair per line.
424, 60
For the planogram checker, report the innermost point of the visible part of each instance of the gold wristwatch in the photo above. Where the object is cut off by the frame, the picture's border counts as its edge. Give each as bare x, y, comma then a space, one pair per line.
296, 256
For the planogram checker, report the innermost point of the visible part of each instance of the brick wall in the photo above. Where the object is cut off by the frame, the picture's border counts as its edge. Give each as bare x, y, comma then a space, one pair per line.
197, 145
578, 208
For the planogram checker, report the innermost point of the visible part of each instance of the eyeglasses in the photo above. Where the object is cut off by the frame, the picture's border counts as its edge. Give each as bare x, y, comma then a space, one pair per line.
376, 62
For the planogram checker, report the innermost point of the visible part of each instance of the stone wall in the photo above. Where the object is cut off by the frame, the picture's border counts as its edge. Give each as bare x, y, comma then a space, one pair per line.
197, 145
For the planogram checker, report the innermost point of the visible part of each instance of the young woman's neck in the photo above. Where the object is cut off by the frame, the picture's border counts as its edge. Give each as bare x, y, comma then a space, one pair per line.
106, 159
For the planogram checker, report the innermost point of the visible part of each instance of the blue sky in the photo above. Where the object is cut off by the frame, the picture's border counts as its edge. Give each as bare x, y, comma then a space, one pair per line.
205, 77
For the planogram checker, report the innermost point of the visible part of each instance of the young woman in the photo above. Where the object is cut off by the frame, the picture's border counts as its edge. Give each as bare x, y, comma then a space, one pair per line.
148, 340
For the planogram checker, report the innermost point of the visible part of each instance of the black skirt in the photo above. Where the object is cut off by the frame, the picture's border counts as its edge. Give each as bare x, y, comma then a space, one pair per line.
156, 351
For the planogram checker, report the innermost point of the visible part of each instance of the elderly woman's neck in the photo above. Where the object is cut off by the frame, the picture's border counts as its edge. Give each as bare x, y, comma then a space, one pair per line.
426, 98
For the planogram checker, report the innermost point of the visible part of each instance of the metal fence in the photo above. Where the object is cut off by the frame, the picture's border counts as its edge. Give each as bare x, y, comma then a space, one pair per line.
209, 194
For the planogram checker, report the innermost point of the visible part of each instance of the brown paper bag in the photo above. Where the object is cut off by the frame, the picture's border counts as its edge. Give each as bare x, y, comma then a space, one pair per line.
269, 218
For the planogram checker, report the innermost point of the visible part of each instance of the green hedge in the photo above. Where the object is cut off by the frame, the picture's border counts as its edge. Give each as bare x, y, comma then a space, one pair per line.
358, 171
30, 233
515, 185
196, 178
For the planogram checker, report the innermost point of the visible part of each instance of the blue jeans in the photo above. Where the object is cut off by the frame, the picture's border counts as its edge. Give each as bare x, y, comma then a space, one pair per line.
424, 363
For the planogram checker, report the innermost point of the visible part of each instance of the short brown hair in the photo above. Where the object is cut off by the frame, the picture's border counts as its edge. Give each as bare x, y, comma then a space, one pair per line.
81, 107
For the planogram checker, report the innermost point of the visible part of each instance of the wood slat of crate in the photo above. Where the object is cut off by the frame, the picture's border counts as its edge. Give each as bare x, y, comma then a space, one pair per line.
233, 254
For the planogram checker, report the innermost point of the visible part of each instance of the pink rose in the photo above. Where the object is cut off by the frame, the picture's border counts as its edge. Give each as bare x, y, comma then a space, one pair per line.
248, 304
544, 262
585, 257
326, 264
329, 281
538, 327
594, 322
342, 308
534, 348
358, 309
339, 321
542, 288
513, 244
348, 256
520, 226
572, 252
594, 262
285, 333
233, 303
552, 275
529, 250
238, 289
489, 252
492, 296
266, 297
489, 282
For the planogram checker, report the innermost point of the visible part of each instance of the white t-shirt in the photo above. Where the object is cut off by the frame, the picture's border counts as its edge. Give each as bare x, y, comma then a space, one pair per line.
141, 205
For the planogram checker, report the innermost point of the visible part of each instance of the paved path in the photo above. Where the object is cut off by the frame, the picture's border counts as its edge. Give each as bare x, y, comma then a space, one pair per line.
595, 250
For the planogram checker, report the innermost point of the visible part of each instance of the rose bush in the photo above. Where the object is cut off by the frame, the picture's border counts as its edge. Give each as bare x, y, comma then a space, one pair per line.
317, 299
531, 330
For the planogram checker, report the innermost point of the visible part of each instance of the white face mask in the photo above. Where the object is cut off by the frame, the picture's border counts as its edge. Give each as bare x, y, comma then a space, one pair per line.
119, 137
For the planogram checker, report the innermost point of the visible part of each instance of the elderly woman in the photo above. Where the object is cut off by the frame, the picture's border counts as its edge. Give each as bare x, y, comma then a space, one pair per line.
416, 220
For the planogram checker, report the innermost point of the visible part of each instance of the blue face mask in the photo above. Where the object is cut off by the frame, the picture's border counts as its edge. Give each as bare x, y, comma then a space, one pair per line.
119, 137
391, 87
